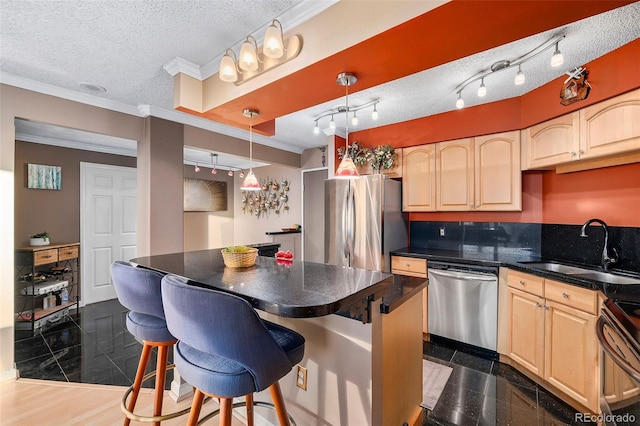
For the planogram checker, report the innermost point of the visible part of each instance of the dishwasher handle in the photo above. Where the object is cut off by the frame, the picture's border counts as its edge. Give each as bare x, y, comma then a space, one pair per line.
466, 275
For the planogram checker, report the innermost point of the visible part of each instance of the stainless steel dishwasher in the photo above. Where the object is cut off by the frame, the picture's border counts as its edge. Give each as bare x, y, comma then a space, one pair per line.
463, 303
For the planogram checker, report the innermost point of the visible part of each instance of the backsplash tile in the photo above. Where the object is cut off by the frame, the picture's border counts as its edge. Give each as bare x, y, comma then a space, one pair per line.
550, 241
563, 242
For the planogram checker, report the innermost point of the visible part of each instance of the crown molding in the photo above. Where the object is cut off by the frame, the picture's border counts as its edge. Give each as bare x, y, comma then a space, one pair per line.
143, 110
72, 95
180, 65
85, 146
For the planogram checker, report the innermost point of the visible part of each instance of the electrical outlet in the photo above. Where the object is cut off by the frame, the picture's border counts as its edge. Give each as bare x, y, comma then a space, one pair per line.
442, 233
301, 377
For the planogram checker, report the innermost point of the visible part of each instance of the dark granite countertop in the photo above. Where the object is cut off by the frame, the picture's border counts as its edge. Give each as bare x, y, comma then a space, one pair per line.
520, 261
298, 290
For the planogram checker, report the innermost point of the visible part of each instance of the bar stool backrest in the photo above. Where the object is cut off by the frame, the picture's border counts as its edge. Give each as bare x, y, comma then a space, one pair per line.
225, 325
138, 289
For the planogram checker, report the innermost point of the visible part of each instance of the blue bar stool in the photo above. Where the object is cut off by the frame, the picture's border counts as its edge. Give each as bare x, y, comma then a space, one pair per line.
138, 290
226, 350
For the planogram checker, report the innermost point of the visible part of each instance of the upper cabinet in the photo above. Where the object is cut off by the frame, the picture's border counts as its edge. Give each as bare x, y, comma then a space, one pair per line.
454, 175
498, 181
611, 127
419, 178
553, 142
481, 174
605, 129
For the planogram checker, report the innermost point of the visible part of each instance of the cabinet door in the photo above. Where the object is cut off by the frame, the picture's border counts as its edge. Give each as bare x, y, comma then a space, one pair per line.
419, 178
498, 179
526, 330
611, 127
454, 171
553, 142
571, 353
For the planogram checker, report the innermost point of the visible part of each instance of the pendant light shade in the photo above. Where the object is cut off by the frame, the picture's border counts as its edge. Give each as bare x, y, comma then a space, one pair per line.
273, 44
248, 55
557, 59
346, 169
250, 182
519, 77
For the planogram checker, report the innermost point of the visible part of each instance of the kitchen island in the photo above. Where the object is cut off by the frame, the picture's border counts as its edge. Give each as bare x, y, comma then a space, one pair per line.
363, 332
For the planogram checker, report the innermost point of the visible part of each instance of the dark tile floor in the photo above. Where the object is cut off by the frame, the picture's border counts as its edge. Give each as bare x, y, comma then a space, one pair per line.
95, 347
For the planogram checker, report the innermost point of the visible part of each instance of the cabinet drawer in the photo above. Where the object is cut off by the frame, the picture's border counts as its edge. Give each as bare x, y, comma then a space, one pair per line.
66, 253
43, 257
577, 297
525, 282
409, 266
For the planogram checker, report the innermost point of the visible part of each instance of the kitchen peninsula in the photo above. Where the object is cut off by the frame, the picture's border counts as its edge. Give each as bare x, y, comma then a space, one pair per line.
363, 366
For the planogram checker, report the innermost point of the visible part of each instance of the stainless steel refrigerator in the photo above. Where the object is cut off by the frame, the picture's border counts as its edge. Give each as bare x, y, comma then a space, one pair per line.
363, 222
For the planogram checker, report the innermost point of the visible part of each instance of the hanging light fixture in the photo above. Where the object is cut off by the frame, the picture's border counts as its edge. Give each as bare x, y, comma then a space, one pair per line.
556, 60
250, 182
253, 61
316, 128
374, 113
354, 120
346, 169
519, 77
214, 157
197, 168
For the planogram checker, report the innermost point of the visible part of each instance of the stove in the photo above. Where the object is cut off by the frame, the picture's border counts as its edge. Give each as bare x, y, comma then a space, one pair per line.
618, 331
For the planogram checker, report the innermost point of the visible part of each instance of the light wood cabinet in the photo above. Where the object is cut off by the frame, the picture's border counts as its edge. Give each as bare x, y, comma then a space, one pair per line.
480, 174
498, 179
604, 129
551, 333
454, 175
419, 178
414, 267
611, 127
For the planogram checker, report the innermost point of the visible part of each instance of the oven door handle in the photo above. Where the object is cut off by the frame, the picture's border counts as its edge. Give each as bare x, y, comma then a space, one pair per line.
621, 362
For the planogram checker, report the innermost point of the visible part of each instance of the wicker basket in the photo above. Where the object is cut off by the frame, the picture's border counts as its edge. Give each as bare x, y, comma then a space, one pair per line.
240, 260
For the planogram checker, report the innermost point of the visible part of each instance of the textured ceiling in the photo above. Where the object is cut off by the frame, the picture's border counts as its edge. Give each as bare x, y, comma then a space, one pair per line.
123, 45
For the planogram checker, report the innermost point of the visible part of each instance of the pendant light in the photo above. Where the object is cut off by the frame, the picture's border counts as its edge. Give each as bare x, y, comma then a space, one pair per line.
250, 182
346, 169
214, 160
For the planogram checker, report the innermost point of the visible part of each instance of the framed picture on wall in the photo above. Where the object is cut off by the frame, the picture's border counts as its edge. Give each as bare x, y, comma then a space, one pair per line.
204, 195
44, 177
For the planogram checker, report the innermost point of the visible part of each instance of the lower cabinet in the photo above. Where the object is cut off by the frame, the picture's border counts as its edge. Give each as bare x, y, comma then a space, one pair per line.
414, 267
551, 333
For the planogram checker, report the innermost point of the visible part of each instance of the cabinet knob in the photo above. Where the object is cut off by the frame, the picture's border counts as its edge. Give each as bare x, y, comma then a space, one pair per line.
573, 153
470, 206
565, 295
546, 308
406, 264
521, 282
478, 205
581, 152
538, 305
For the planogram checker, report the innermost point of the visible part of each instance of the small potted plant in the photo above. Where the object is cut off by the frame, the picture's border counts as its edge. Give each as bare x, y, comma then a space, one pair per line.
41, 239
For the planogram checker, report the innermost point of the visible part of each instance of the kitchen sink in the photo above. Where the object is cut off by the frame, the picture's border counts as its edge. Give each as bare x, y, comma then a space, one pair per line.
590, 274
606, 277
559, 267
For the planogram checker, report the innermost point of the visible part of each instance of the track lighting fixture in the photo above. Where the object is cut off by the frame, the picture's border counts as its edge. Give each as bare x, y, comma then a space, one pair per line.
197, 168
346, 110
253, 61
230, 172
214, 157
556, 60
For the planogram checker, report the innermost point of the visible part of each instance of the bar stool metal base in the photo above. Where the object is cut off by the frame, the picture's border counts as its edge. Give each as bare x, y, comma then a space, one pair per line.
243, 404
150, 419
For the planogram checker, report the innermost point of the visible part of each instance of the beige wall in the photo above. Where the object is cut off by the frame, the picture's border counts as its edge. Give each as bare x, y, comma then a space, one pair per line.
247, 228
57, 212
205, 230
160, 179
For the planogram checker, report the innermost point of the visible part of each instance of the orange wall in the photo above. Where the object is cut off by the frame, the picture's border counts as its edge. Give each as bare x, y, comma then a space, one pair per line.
611, 194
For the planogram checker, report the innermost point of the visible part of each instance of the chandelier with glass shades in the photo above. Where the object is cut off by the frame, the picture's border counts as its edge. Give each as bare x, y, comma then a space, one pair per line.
253, 61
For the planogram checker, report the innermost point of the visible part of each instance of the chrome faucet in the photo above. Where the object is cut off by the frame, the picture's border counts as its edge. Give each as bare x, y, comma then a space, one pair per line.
606, 259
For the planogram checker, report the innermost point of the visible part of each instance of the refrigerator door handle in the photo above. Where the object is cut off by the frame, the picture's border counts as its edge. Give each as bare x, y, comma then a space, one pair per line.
345, 221
352, 222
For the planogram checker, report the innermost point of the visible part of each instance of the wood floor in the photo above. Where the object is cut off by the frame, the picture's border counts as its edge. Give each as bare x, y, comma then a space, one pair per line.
43, 403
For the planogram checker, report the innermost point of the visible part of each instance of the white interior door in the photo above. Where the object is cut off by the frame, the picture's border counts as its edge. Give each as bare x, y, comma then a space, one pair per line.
107, 226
